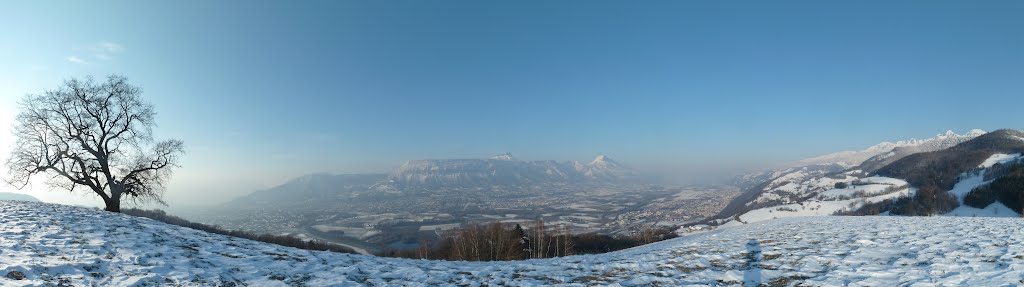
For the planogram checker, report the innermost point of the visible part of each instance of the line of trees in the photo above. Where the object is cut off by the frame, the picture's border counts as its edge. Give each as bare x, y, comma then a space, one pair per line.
503, 242
1008, 190
283, 240
928, 200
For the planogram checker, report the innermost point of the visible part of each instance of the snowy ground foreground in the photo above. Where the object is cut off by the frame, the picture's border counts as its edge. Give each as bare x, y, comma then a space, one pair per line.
53, 244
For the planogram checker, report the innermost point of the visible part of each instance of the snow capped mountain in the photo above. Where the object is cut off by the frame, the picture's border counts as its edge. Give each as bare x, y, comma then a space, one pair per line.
903, 149
503, 169
603, 167
887, 150
602, 160
328, 190
503, 156
55, 245
470, 172
849, 158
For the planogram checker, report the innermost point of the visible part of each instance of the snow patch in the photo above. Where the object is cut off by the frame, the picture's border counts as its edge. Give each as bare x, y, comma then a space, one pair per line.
883, 180
996, 209
967, 183
999, 158
504, 156
975, 132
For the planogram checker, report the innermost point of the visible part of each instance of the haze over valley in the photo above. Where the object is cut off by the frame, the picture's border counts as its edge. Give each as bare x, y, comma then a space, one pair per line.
425, 198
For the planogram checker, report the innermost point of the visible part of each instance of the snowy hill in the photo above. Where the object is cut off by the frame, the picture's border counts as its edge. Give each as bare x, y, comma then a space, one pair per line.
867, 190
808, 192
865, 161
45, 244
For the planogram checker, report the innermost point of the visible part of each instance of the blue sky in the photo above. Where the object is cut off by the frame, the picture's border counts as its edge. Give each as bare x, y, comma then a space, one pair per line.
264, 91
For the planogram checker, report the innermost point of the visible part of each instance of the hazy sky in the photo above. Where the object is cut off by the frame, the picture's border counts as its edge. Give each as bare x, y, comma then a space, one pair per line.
264, 91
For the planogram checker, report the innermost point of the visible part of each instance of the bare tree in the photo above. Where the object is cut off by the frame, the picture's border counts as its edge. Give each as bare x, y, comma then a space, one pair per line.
94, 135
538, 240
567, 245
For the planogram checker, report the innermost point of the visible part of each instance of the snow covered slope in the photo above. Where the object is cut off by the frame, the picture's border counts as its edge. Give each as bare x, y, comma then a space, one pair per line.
826, 200
808, 194
837, 185
60, 245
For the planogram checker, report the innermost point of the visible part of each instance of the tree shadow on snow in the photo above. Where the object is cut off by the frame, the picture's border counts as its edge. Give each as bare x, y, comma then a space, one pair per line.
752, 275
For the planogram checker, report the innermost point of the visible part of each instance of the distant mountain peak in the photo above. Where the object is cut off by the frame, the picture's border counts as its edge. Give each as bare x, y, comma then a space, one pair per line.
853, 158
17, 196
503, 156
604, 166
504, 169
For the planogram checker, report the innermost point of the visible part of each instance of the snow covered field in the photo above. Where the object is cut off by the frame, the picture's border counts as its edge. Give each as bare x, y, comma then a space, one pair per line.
54, 244
828, 202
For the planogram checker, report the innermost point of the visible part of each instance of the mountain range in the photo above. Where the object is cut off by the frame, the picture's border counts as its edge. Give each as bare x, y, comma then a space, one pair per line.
435, 175
892, 150
310, 189
837, 182
504, 169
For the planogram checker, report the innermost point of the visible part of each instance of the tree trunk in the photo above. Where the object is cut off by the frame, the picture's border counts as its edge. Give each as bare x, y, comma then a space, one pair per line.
113, 205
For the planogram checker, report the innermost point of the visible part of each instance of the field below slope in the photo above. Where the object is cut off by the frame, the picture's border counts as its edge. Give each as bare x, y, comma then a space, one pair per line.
45, 244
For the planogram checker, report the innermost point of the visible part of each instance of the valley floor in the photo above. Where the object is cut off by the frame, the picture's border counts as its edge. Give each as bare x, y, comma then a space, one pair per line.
53, 244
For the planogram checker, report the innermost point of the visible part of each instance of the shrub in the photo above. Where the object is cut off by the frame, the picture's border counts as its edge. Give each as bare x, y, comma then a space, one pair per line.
929, 200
